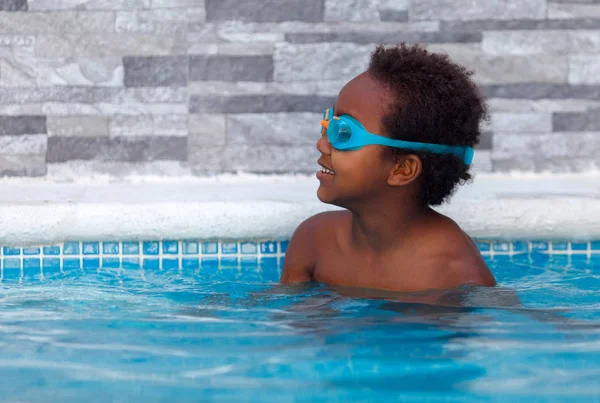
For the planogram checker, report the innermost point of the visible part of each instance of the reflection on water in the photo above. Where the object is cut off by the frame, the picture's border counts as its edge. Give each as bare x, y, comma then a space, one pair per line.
235, 334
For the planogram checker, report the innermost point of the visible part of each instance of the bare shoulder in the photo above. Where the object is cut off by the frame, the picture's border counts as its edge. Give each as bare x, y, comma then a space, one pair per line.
454, 256
320, 225
302, 253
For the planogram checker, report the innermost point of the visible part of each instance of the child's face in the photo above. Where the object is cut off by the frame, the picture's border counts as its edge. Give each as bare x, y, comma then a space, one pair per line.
362, 174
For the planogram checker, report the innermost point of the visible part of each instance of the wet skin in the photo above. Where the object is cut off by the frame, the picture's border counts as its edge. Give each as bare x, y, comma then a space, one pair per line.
383, 239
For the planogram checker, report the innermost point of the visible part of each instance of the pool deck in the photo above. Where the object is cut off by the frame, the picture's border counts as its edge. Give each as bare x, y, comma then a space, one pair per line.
511, 207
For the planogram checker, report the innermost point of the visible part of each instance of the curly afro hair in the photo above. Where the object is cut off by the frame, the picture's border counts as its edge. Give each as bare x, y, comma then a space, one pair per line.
434, 101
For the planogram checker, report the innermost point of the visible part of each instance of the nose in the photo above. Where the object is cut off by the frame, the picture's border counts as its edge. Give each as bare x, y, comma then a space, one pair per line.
323, 145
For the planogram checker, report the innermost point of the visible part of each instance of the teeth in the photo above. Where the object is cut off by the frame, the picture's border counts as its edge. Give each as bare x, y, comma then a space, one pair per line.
327, 171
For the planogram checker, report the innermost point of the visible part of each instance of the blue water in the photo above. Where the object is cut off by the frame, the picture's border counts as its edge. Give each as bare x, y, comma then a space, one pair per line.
233, 334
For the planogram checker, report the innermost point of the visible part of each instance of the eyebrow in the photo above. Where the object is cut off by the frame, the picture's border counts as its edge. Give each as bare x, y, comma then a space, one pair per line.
336, 113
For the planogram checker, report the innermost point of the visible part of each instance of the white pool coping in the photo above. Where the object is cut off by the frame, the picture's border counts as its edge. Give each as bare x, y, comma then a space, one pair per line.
41, 212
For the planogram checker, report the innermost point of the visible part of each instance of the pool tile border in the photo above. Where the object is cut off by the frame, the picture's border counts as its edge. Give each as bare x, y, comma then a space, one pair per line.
193, 254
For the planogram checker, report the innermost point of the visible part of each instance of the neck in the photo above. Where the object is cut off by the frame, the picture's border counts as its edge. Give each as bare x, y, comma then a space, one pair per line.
384, 225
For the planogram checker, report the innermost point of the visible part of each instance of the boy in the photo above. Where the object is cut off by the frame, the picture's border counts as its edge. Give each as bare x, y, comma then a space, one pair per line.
397, 141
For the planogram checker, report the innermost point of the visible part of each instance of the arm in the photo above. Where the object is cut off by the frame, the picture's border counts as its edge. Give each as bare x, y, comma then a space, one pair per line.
300, 258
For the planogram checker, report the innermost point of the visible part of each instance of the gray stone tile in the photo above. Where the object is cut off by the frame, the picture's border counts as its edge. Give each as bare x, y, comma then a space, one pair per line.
72, 44
394, 4
541, 91
130, 125
229, 32
549, 165
521, 122
475, 9
24, 145
574, 1
583, 69
547, 146
567, 164
177, 3
572, 23
48, 5
576, 122
260, 103
564, 145
17, 40
78, 126
491, 25
394, 15
93, 95
19, 125
520, 24
351, 10
20, 109
57, 94
22, 165
265, 10
273, 129
156, 71
508, 145
109, 109
87, 71
271, 159
320, 61
482, 161
540, 42
170, 125
522, 164
593, 120
240, 49
485, 141
256, 87
569, 121
155, 95
206, 130
385, 37
160, 21
542, 105
506, 69
231, 68
62, 149
254, 31
148, 125
19, 67
206, 160
75, 22
206, 34
567, 11
13, 5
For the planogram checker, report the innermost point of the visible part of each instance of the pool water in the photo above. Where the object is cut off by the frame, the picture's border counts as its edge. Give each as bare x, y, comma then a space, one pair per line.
233, 334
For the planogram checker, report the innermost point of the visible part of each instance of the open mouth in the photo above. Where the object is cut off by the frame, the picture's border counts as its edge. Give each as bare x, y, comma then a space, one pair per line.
325, 169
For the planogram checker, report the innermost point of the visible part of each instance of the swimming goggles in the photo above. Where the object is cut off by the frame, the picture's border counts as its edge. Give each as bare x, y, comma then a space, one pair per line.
346, 133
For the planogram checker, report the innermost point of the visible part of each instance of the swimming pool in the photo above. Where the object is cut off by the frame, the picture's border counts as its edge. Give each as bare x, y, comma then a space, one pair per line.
191, 321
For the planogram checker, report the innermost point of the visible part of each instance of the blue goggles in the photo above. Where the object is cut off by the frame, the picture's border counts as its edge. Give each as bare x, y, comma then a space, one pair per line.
346, 133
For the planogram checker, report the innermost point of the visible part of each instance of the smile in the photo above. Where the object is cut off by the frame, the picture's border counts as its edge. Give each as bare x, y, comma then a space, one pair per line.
325, 169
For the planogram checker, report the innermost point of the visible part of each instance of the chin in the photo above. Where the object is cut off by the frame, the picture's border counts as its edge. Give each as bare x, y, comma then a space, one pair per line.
327, 197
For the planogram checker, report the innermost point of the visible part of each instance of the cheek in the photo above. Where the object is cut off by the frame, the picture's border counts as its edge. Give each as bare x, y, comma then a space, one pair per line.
364, 165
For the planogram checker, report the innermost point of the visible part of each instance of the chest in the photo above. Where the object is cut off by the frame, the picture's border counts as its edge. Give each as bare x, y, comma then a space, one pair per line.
401, 270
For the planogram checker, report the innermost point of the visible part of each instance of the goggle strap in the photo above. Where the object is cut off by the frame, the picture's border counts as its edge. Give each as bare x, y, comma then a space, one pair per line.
466, 153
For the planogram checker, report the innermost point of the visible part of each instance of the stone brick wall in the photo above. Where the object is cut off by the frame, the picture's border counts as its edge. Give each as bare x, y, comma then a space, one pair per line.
203, 86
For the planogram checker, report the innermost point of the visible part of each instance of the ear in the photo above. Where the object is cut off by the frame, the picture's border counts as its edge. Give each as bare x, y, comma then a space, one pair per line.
407, 168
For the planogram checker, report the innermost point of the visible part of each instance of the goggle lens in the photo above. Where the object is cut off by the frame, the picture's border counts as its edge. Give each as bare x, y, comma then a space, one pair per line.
337, 131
